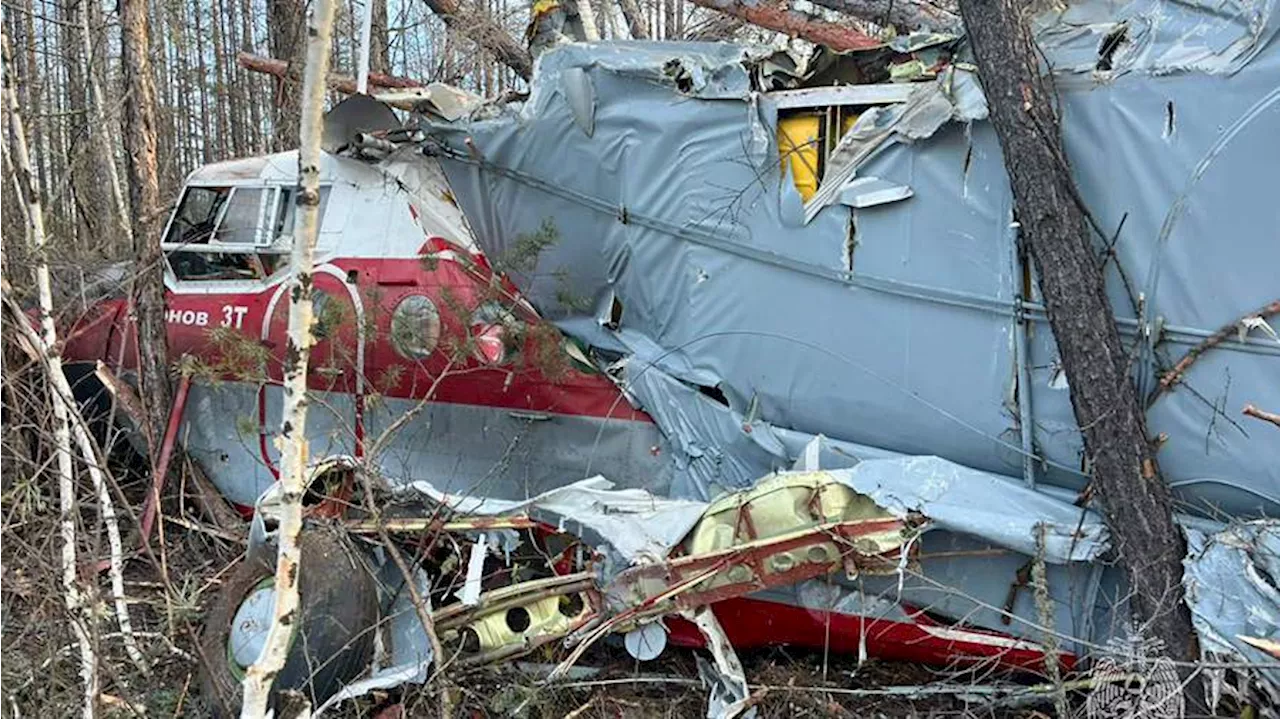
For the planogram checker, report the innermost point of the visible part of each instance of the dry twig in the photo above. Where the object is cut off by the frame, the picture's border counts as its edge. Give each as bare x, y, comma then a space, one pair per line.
1252, 411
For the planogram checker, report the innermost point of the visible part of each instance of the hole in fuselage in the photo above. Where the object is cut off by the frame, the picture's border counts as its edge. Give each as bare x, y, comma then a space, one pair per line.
518, 619
571, 605
1110, 43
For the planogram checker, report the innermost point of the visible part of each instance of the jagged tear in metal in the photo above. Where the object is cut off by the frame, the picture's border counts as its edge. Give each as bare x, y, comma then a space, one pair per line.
761, 331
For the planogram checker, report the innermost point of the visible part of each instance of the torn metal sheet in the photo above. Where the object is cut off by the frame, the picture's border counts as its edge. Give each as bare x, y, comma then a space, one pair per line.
861, 192
953, 96
445, 101
634, 522
964, 501
1230, 579
1155, 36
727, 681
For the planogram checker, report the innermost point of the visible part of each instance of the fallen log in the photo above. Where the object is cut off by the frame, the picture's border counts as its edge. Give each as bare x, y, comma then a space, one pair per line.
836, 37
341, 83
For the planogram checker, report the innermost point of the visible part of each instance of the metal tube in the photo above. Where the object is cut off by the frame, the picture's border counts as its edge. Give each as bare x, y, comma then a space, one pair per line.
166, 452
1024, 401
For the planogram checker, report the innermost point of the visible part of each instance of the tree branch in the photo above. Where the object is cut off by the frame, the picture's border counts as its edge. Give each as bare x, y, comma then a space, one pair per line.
482, 30
341, 83
836, 37
903, 14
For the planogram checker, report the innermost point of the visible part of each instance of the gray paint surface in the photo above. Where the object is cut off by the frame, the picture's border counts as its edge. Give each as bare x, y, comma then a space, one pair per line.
457, 447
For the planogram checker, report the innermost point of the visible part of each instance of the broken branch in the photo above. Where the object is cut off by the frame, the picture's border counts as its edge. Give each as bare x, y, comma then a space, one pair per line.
902, 14
1218, 337
1251, 411
341, 83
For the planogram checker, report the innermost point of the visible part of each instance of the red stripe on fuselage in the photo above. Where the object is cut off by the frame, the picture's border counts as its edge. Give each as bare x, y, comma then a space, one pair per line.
536, 379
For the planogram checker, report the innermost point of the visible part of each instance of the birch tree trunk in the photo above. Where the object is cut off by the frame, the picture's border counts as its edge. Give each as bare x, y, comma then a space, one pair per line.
590, 32
292, 441
1135, 500
82, 618
144, 193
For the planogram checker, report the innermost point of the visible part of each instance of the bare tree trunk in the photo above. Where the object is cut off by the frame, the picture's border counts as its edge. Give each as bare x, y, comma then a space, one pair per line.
293, 429
144, 193
89, 201
1135, 500
254, 96
184, 117
224, 102
635, 19
285, 22
790, 22
590, 32
82, 617
608, 24
202, 72
98, 123
379, 54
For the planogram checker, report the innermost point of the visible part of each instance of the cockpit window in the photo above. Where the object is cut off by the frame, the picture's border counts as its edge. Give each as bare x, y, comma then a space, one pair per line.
232, 233
286, 210
197, 216
243, 217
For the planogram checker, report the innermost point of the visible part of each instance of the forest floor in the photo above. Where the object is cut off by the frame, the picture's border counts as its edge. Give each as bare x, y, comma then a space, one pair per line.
170, 590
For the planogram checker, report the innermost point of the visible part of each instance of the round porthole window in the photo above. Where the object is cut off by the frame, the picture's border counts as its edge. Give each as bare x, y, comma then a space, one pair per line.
491, 328
415, 327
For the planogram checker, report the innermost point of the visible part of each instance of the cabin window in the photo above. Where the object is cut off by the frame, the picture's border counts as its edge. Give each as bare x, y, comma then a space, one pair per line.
233, 233
195, 265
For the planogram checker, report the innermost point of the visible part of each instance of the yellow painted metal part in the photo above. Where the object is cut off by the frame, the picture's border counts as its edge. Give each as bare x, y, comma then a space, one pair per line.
798, 144
785, 507
780, 505
550, 616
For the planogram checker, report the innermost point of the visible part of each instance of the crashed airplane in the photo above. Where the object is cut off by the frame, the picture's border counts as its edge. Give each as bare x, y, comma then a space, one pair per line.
709, 345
